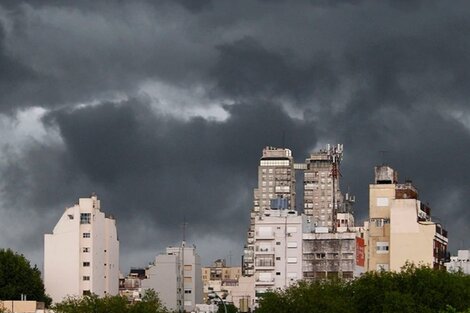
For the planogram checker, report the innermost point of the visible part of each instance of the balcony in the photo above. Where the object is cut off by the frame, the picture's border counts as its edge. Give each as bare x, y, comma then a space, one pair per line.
264, 235
264, 265
264, 250
264, 282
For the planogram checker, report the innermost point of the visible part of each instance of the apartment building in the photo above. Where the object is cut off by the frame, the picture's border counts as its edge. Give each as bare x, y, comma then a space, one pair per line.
81, 256
329, 242
276, 180
322, 195
400, 228
459, 262
278, 249
176, 276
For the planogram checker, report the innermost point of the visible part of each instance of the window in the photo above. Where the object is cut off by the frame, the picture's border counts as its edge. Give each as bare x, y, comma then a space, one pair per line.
382, 201
292, 275
278, 243
86, 292
187, 291
278, 258
278, 273
292, 244
85, 218
86, 249
291, 260
86, 235
382, 247
291, 229
86, 277
86, 264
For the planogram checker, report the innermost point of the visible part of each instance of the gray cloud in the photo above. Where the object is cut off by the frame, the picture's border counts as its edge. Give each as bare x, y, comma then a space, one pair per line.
389, 75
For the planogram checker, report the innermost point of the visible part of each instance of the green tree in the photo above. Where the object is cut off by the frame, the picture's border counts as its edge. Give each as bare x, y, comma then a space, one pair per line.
18, 277
230, 308
414, 290
150, 303
112, 304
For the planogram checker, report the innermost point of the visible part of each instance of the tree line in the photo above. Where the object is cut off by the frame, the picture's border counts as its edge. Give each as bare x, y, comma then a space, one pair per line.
416, 289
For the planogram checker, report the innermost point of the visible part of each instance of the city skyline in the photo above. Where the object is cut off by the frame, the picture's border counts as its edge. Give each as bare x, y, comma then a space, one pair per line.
163, 109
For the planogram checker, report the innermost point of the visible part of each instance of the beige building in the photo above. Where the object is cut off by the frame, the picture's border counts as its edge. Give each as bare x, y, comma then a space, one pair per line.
228, 283
15, 306
400, 228
81, 256
219, 278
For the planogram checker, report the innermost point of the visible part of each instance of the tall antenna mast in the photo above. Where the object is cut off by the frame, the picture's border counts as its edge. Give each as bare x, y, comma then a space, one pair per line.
383, 153
335, 154
183, 244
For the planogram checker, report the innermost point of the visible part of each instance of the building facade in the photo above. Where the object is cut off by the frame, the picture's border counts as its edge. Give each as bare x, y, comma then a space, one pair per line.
81, 256
276, 180
322, 195
330, 232
176, 276
400, 228
460, 262
278, 249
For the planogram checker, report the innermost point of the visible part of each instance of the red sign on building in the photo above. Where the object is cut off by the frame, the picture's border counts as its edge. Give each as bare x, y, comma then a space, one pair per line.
360, 252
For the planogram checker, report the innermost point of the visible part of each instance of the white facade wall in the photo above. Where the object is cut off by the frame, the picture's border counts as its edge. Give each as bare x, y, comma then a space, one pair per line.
461, 262
278, 250
82, 256
166, 277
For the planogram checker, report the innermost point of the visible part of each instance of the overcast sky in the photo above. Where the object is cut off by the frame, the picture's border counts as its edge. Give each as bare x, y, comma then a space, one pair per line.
163, 108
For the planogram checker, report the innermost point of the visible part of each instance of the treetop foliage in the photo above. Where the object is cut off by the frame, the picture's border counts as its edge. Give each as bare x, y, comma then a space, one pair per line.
18, 277
112, 304
413, 290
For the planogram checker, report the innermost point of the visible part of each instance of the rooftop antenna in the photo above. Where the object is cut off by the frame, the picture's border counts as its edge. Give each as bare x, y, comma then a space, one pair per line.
182, 260
383, 153
184, 225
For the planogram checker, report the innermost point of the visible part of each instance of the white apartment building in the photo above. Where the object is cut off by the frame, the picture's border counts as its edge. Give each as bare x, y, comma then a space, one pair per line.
277, 249
81, 256
461, 262
178, 283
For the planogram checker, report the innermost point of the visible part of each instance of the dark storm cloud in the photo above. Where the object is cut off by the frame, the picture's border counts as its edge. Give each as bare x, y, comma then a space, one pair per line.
388, 75
173, 168
156, 171
247, 69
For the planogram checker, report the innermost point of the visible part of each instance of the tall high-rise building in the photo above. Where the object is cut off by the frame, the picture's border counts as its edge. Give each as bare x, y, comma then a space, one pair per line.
81, 256
276, 184
322, 195
400, 227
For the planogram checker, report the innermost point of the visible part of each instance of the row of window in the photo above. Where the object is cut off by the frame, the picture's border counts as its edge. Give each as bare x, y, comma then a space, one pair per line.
277, 170
85, 218
274, 163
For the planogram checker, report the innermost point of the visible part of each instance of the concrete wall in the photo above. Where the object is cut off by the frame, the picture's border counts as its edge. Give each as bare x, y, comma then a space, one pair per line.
409, 240
66, 250
163, 278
